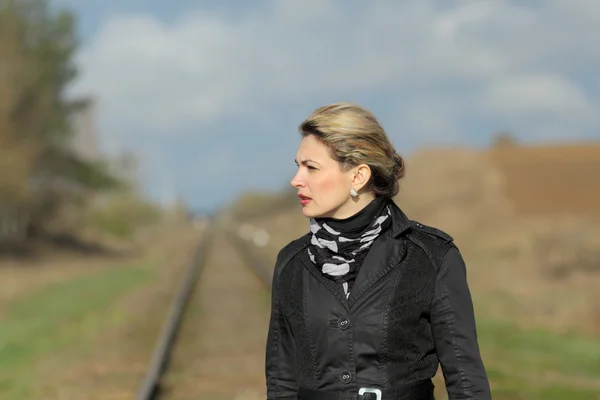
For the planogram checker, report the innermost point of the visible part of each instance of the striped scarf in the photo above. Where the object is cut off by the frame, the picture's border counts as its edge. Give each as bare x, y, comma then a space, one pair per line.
340, 254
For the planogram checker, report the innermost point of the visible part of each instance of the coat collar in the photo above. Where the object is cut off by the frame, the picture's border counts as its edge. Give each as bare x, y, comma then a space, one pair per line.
385, 253
400, 222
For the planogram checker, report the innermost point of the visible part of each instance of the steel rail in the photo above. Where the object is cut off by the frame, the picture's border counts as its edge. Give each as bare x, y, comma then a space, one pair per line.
252, 259
150, 387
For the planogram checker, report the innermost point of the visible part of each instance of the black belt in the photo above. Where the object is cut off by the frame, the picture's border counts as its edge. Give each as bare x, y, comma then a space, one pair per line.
416, 391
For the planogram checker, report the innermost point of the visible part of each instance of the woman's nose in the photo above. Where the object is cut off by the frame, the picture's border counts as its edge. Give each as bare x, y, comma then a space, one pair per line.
296, 181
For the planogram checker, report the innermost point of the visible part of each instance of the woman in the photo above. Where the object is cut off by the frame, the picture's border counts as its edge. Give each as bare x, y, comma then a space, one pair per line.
369, 302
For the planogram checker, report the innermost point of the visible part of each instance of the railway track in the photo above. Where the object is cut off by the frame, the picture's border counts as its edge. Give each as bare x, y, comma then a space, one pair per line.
211, 345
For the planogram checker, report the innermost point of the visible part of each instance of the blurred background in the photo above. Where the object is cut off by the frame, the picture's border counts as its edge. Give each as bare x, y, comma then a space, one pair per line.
130, 131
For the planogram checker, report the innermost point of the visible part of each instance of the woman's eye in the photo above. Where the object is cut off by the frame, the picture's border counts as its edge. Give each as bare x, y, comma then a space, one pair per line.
310, 167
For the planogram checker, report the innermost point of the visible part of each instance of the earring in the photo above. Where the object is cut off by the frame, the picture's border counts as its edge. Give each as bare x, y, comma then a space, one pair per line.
353, 193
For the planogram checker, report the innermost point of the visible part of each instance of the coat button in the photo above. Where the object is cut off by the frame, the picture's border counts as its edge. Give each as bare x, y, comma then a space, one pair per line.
345, 377
343, 323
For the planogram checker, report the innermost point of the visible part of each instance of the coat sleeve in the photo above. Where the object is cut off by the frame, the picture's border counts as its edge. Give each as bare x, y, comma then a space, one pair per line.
280, 363
455, 334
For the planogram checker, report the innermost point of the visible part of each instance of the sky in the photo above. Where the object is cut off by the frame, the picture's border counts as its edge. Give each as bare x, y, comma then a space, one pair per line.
210, 94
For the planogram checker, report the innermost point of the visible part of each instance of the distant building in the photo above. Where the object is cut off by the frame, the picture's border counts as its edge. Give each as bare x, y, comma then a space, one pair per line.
85, 133
85, 143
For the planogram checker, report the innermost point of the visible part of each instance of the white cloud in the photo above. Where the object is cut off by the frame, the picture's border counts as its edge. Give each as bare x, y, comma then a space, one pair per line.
435, 120
545, 93
152, 76
201, 69
443, 62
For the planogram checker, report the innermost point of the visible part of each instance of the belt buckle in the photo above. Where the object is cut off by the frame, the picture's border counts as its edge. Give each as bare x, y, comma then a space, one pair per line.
377, 392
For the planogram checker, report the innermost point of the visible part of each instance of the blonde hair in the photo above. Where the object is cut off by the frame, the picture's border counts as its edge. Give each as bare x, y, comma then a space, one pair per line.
354, 136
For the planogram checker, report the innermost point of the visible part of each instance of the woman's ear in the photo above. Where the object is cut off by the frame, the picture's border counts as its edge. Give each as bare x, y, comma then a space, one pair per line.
360, 177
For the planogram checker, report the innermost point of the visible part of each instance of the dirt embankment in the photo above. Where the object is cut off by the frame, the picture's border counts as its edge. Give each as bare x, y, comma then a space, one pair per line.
528, 212
551, 180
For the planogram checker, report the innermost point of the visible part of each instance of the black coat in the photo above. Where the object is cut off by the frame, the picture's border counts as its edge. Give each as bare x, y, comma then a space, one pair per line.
409, 311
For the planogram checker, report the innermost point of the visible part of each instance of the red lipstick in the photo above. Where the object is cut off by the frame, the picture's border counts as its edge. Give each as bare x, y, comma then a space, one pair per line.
304, 200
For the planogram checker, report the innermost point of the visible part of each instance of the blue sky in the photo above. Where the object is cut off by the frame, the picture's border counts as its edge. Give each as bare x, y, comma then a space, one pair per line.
210, 94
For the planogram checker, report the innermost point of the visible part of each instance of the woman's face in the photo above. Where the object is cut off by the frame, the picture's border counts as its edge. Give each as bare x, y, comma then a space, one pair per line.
322, 187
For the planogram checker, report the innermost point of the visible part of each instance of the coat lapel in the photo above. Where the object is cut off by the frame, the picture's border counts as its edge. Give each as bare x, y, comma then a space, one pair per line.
385, 253
335, 288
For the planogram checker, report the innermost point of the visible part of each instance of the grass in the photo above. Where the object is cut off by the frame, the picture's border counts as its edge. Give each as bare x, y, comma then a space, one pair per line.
539, 364
58, 317
70, 316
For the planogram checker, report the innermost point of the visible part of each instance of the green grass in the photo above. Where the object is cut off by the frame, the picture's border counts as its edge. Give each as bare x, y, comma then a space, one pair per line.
538, 364
522, 364
57, 318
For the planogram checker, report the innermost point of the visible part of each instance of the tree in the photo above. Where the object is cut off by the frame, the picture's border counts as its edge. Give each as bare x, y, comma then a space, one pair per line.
503, 139
40, 169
